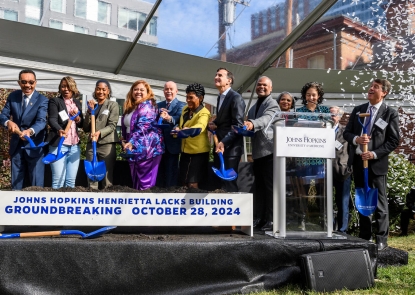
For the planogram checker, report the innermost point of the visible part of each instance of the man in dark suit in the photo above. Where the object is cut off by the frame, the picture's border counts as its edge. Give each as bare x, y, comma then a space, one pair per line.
171, 110
230, 111
341, 171
382, 139
28, 109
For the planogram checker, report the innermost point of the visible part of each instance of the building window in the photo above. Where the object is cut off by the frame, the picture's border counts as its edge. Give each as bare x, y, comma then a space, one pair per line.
282, 16
316, 62
256, 25
79, 29
58, 6
264, 22
80, 8
273, 19
94, 10
129, 19
104, 12
33, 11
55, 24
153, 27
111, 36
8, 14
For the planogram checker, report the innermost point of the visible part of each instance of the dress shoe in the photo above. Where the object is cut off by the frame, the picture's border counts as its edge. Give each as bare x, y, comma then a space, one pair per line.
258, 223
382, 246
267, 226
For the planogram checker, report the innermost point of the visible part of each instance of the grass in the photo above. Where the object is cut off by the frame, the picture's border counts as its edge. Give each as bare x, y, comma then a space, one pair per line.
390, 280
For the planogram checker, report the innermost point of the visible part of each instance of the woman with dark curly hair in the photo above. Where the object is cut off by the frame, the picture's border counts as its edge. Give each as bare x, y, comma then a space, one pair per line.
140, 136
194, 159
312, 96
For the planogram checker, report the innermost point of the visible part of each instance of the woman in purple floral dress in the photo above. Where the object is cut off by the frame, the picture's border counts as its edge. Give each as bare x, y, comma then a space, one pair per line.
140, 136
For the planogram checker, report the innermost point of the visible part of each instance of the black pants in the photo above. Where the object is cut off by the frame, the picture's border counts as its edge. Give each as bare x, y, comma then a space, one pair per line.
263, 196
168, 172
230, 162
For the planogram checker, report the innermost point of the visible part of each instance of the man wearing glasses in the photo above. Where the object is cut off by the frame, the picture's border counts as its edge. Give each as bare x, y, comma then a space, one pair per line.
341, 172
24, 114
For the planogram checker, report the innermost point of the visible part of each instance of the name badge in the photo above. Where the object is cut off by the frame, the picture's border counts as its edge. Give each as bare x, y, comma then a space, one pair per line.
63, 115
106, 112
381, 124
338, 145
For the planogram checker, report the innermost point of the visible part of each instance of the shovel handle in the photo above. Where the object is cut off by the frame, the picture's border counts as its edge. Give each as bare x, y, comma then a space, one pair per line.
40, 234
364, 146
215, 139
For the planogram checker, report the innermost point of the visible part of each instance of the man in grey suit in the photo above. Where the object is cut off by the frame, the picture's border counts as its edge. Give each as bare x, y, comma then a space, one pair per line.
341, 172
230, 112
259, 118
28, 109
170, 111
383, 138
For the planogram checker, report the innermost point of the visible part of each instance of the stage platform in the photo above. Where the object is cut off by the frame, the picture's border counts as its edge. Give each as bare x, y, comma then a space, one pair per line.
162, 260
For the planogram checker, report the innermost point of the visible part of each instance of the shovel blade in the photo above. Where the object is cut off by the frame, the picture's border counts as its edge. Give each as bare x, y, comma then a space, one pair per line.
227, 175
366, 201
95, 170
90, 235
49, 158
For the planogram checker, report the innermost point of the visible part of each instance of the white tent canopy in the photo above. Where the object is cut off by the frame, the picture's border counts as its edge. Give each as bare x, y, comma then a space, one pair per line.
55, 53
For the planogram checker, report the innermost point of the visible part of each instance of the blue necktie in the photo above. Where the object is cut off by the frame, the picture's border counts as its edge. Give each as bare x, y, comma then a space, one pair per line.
24, 103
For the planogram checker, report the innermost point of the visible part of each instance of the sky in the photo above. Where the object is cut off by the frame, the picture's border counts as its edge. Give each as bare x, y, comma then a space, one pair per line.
191, 26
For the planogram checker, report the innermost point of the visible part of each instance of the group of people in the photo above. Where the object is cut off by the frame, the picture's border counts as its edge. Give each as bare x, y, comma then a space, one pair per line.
159, 158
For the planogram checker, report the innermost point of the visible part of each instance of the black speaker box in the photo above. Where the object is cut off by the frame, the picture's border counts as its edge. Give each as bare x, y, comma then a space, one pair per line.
335, 270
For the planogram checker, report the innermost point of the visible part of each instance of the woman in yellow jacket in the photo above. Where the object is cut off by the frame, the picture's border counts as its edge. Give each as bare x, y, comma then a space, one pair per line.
194, 159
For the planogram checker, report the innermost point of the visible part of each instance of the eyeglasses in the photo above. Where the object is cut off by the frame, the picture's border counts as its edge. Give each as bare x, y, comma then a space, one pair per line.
24, 82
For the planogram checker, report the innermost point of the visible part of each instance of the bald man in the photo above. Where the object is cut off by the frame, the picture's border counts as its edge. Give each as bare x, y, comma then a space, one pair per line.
171, 109
259, 117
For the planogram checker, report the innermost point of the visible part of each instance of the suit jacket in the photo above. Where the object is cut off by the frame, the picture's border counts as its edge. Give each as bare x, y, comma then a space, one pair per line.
262, 143
341, 171
34, 117
105, 121
173, 145
231, 113
56, 105
382, 142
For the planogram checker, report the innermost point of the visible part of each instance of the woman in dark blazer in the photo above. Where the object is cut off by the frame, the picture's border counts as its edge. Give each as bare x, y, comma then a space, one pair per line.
60, 109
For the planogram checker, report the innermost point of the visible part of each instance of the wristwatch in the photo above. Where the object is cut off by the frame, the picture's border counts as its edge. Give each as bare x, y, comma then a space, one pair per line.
32, 132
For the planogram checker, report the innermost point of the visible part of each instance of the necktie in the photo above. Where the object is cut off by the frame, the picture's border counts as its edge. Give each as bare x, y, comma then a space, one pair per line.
168, 105
372, 110
25, 101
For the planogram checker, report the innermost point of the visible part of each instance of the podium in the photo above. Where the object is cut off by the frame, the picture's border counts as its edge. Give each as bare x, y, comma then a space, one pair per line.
304, 146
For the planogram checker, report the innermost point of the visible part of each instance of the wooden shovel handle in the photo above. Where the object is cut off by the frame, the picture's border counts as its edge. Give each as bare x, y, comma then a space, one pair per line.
40, 234
215, 139
364, 146
93, 126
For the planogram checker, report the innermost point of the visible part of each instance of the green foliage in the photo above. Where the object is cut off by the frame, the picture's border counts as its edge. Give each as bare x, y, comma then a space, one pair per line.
401, 177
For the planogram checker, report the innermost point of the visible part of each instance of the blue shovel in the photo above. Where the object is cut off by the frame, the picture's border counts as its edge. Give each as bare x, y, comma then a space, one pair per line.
95, 170
227, 175
83, 235
242, 131
32, 145
366, 198
50, 158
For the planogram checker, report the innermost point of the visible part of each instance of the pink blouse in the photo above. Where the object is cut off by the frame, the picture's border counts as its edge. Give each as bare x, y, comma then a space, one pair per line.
72, 138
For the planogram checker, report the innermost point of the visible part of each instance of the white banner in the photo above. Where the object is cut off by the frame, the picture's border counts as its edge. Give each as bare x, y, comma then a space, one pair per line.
125, 209
305, 142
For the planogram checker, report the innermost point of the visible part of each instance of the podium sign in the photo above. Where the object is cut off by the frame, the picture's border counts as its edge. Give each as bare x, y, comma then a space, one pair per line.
305, 142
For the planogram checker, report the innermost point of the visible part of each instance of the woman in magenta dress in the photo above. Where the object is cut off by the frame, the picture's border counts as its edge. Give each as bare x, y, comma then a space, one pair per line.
139, 136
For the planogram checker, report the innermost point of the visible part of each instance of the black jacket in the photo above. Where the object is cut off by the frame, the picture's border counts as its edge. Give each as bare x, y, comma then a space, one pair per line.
382, 142
56, 105
231, 113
